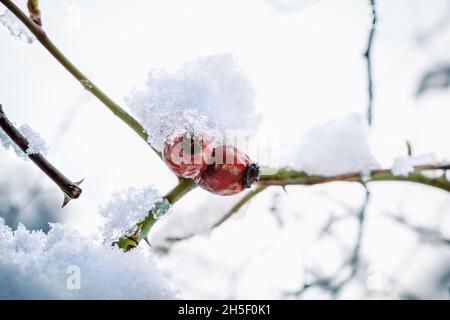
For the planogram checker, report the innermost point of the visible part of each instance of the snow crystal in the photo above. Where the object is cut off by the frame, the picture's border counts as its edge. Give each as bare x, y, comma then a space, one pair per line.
160, 208
336, 147
210, 93
403, 166
65, 265
36, 144
16, 27
125, 209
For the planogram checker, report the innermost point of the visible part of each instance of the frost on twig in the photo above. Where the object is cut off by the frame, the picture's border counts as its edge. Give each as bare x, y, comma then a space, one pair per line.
36, 144
16, 27
32, 148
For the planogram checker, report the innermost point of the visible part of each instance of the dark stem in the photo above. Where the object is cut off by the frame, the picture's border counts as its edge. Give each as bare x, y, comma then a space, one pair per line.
69, 188
368, 56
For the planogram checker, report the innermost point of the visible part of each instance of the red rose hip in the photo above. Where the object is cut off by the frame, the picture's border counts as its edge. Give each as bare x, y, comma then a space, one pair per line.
229, 171
185, 155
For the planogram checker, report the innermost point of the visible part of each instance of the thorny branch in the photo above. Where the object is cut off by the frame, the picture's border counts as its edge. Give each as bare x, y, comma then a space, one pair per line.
368, 56
69, 188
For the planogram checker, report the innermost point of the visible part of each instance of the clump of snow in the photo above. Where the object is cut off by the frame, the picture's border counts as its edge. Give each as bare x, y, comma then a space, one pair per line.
36, 144
210, 93
125, 209
66, 265
336, 147
16, 27
403, 166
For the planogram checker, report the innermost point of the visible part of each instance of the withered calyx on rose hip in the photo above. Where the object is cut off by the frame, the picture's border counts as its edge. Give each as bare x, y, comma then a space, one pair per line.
223, 170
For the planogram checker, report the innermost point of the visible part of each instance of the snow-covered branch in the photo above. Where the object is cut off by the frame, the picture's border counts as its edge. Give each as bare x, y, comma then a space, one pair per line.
69, 188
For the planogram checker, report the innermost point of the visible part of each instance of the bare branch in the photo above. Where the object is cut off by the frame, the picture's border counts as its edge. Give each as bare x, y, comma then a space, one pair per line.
368, 56
354, 262
428, 234
69, 188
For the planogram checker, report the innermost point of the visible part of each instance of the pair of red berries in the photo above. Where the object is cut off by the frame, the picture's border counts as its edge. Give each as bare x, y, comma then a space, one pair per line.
223, 170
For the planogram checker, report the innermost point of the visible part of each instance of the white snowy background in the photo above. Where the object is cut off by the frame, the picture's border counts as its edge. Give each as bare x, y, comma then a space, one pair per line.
305, 61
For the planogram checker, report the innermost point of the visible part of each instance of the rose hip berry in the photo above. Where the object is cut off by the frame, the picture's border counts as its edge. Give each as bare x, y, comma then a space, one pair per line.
229, 171
185, 155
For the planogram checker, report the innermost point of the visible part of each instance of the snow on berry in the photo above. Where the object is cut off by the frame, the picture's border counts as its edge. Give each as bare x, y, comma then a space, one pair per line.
66, 265
336, 147
16, 27
125, 209
36, 143
210, 93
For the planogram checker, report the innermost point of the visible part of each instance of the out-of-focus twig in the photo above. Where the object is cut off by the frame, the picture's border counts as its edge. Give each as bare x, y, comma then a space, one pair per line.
69, 188
438, 78
334, 284
368, 56
427, 234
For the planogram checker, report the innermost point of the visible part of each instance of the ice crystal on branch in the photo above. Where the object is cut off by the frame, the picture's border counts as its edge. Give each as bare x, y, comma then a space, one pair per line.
36, 143
210, 93
16, 27
34, 265
126, 209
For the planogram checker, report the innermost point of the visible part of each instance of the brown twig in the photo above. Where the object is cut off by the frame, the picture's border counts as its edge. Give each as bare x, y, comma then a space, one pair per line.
69, 188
